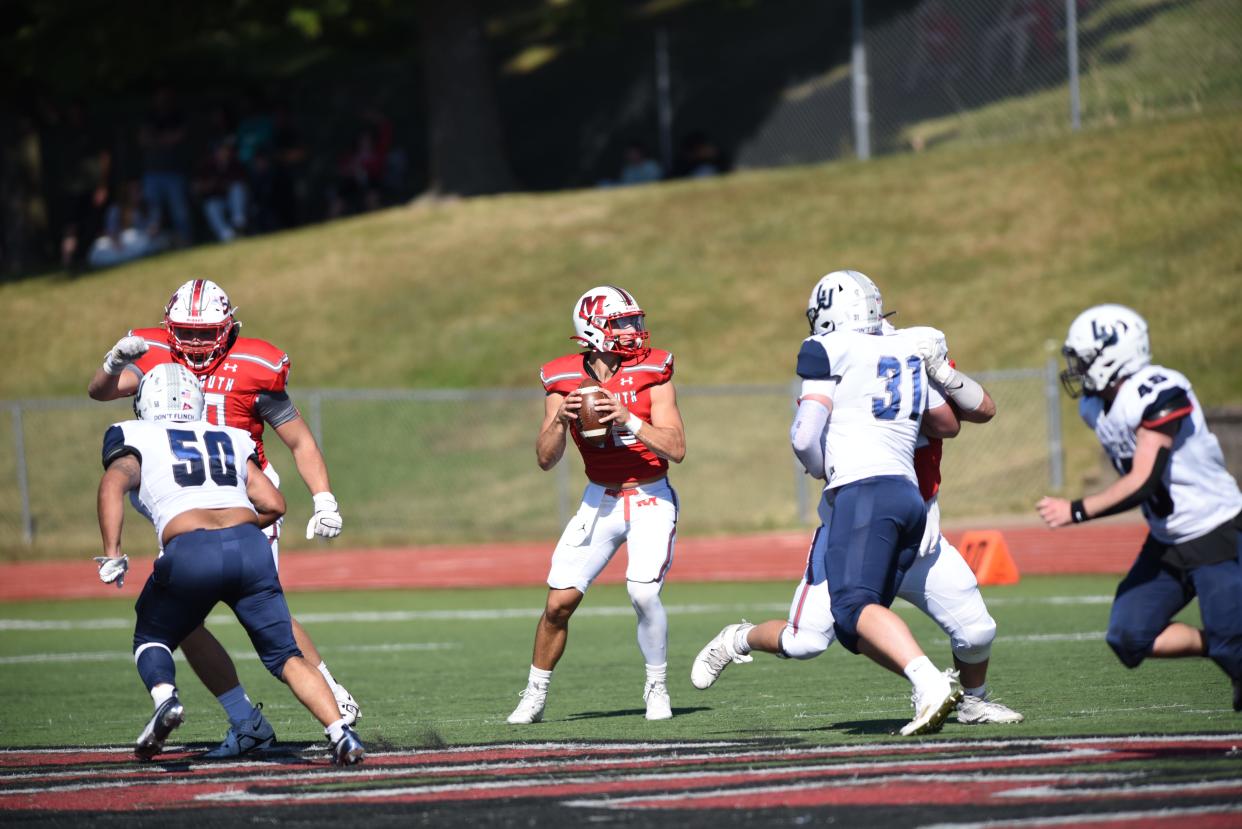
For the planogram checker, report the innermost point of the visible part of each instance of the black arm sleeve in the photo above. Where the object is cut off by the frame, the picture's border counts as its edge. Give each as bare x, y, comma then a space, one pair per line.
275, 408
1146, 490
114, 446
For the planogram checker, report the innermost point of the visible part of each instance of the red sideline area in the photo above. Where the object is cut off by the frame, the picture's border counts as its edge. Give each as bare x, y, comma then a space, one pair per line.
1091, 548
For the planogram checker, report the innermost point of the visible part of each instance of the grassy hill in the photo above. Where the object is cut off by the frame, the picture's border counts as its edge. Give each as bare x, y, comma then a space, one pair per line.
1000, 246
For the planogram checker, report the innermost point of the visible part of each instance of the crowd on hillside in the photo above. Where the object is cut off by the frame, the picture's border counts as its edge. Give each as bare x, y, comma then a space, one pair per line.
243, 170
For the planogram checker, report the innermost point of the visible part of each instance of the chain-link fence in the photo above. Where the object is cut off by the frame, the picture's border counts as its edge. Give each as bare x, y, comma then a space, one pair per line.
985, 70
444, 466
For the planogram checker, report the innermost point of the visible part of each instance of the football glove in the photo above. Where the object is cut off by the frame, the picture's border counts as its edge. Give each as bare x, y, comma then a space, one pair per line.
935, 353
112, 570
126, 350
326, 522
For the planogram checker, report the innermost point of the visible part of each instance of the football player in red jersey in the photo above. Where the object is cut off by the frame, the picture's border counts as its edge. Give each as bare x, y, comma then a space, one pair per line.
244, 385
627, 499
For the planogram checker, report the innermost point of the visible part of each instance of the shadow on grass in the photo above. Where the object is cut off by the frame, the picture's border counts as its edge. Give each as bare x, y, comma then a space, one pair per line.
630, 712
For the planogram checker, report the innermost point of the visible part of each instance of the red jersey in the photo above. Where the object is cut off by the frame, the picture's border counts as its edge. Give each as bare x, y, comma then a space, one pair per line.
232, 386
927, 466
624, 458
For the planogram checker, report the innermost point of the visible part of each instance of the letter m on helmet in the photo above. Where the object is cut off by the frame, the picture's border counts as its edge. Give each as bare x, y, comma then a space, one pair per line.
592, 306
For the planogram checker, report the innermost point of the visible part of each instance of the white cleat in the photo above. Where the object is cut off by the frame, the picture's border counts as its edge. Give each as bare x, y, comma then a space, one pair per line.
350, 712
717, 655
932, 708
245, 736
530, 709
974, 710
659, 706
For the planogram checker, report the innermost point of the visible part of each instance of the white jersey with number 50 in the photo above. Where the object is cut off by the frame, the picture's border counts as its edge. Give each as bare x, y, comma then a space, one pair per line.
879, 388
185, 466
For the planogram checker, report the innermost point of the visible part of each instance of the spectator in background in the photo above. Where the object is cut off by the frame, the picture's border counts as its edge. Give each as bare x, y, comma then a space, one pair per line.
254, 131
937, 44
288, 169
221, 184
165, 181
86, 187
361, 169
699, 157
1012, 31
639, 167
128, 230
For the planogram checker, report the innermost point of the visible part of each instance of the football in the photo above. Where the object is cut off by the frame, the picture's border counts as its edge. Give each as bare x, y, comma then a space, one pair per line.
592, 431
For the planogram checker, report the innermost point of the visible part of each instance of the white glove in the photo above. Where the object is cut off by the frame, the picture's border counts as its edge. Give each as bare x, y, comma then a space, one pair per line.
126, 350
935, 353
326, 521
112, 570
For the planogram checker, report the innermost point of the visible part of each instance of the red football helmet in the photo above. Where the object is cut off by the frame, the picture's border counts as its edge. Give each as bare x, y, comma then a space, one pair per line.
609, 319
199, 319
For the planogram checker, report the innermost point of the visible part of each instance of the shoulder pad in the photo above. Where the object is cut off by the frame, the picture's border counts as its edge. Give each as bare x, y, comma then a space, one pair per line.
813, 362
563, 373
1168, 405
114, 445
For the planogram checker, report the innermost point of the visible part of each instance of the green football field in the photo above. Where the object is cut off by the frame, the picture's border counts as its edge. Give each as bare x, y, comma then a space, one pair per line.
434, 668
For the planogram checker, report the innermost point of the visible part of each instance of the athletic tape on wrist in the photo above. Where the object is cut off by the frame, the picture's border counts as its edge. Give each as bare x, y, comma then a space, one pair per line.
634, 424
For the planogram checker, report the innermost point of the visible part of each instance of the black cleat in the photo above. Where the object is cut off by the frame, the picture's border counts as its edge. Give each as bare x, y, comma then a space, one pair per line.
166, 718
349, 750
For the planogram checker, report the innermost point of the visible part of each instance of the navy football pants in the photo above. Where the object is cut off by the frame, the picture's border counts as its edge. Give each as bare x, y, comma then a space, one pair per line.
200, 569
868, 543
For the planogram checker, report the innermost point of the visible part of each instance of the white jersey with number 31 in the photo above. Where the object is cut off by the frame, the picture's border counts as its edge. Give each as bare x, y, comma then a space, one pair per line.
185, 466
879, 390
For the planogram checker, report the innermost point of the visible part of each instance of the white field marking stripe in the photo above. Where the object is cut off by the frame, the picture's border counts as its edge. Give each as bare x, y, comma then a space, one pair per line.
1093, 817
1199, 787
107, 656
235, 796
394, 647
278, 777
126, 748
742, 790
490, 613
1033, 742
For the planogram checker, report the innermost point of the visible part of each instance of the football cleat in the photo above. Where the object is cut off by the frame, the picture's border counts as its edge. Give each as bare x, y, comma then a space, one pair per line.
717, 655
530, 709
933, 707
168, 715
348, 750
974, 710
350, 712
245, 736
659, 706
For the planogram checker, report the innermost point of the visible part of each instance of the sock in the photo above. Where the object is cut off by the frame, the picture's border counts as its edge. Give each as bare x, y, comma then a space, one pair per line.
921, 672
236, 704
162, 692
657, 673
323, 669
740, 644
538, 676
335, 731
980, 692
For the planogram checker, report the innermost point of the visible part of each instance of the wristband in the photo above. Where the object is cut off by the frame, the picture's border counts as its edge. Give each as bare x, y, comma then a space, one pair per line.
634, 424
1078, 513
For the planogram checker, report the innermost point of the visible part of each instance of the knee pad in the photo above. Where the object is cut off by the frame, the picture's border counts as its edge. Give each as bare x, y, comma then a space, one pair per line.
804, 644
1131, 647
972, 643
644, 595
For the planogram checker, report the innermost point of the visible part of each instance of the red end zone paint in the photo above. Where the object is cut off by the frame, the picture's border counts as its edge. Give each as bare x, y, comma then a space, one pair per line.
1139, 775
1088, 548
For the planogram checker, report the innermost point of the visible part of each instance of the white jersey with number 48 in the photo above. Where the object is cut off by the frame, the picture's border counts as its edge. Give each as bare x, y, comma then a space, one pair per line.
185, 466
879, 390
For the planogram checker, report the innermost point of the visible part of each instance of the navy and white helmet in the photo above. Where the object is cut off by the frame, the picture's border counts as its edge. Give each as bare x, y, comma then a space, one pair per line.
169, 393
845, 301
1105, 344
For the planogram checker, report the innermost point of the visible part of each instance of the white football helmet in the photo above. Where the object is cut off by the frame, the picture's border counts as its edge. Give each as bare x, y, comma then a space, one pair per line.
200, 323
601, 314
1105, 344
169, 393
845, 301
